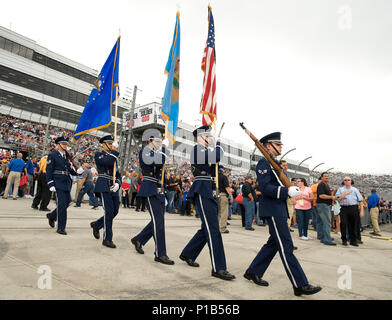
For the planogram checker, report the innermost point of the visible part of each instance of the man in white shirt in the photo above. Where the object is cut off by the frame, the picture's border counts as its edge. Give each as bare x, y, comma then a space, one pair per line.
349, 198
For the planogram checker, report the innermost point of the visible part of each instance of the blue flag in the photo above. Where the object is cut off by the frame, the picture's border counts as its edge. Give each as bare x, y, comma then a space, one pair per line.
170, 106
97, 113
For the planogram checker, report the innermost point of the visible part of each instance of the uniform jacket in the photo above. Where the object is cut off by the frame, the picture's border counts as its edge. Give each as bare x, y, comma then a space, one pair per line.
56, 163
273, 200
203, 164
151, 162
105, 163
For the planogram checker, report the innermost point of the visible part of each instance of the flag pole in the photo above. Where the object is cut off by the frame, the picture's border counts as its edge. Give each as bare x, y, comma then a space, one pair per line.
115, 134
163, 167
216, 164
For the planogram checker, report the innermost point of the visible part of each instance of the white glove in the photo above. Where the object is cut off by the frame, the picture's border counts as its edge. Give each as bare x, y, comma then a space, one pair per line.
115, 187
294, 191
80, 171
166, 142
53, 189
115, 144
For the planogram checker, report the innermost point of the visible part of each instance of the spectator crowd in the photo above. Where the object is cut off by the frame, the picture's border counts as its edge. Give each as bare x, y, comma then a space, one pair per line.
318, 207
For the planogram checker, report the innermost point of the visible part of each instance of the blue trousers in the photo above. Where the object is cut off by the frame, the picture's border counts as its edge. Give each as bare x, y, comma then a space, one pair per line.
209, 233
249, 212
279, 240
260, 221
179, 203
303, 221
63, 199
170, 201
324, 223
156, 227
110, 203
314, 217
88, 188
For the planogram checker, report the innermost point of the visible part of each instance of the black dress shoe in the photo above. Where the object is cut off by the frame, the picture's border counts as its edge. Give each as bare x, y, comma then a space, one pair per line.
354, 244
256, 279
95, 230
51, 222
34, 207
360, 242
308, 289
223, 274
295, 248
164, 260
375, 234
108, 244
62, 232
291, 230
344, 243
226, 231
46, 210
190, 262
249, 228
137, 245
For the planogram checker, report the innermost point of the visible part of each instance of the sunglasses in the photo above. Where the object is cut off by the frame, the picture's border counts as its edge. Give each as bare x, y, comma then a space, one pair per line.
347, 179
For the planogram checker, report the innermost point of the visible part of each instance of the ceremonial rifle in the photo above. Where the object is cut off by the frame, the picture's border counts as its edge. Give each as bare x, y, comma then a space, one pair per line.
71, 159
274, 163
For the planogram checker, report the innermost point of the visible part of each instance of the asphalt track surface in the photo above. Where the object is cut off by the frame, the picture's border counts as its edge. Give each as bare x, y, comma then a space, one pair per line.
81, 268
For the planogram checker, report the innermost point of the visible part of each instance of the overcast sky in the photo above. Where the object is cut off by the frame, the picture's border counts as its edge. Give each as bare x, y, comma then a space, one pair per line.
319, 71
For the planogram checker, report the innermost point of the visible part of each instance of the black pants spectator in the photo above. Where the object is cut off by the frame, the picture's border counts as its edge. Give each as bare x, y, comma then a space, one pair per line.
242, 209
186, 208
140, 202
98, 196
358, 227
42, 197
348, 219
133, 198
3, 183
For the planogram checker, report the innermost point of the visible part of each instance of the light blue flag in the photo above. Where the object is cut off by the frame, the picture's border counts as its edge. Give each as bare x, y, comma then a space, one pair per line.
170, 106
97, 113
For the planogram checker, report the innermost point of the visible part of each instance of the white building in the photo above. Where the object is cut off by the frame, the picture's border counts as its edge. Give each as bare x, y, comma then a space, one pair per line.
34, 80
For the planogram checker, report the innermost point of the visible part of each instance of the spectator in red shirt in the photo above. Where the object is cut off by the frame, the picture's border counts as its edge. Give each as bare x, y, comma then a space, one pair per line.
124, 192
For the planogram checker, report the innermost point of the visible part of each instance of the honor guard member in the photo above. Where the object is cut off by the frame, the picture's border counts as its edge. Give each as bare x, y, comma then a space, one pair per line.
105, 161
203, 160
151, 159
273, 208
58, 171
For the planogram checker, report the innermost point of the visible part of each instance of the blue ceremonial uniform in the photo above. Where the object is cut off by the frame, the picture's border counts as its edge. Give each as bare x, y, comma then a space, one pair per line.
110, 200
151, 163
206, 206
58, 171
273, 207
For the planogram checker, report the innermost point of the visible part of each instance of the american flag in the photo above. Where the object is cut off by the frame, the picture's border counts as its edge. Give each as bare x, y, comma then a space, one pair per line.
208, 99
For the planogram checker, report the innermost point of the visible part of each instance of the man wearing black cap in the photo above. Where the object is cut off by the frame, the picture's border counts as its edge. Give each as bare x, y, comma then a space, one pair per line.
202, 161
105, 161
273, 207
58, 171
151, 159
